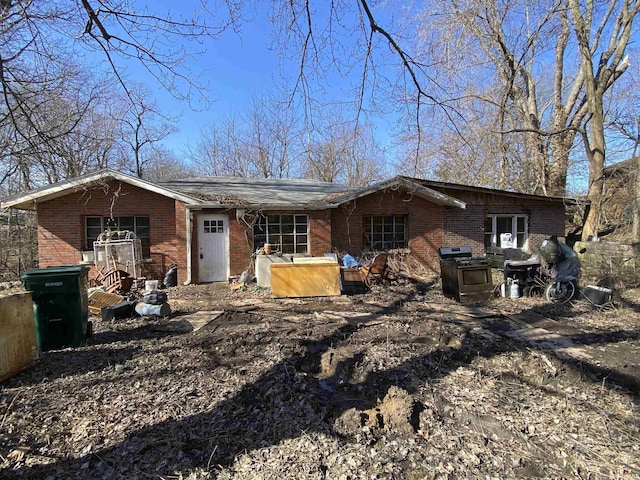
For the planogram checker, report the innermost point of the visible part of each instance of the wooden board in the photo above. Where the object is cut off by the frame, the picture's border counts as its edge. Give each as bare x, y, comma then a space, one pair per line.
329, 260
99, 299
305, 280
18, 348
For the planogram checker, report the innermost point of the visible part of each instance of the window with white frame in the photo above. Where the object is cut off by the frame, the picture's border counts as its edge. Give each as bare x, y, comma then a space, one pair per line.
94, 226
498, 229
384, 232
286, 233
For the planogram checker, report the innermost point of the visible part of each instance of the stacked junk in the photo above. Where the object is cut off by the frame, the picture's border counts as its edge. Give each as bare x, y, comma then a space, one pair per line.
63, 296
118, 261
552, 273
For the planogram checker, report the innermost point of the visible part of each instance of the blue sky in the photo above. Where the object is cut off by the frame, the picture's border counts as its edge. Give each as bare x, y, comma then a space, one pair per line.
234, 68
238, 68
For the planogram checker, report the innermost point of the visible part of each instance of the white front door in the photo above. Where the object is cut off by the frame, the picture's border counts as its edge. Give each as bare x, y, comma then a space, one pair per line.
213, 244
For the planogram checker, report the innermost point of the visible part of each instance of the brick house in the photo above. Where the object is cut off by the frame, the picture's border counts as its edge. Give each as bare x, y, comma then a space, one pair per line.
619, 193
210, 226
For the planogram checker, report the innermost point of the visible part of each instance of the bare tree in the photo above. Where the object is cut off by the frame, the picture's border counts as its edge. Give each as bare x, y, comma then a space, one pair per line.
142, 126
45, 44
164, 165
624, 122
259, 143
220, 150
80, 136
549, 65
603, 33
271, 139
341, 152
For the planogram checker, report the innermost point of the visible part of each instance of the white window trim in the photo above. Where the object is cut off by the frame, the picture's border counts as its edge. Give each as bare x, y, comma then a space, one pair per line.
514, 229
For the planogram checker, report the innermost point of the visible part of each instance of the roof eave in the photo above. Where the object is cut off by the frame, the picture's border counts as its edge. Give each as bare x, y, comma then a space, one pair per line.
264, 206
29, 200
423, 192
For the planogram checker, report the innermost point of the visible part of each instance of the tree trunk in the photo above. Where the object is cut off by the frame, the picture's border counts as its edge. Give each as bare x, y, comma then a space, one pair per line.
594, 145
556, 175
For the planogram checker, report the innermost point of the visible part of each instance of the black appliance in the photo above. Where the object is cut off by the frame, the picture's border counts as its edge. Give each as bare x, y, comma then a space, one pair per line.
525, 274
498, 256
464, 277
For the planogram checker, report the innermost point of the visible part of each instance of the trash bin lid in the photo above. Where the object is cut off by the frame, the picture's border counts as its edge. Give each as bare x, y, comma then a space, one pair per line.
56, 270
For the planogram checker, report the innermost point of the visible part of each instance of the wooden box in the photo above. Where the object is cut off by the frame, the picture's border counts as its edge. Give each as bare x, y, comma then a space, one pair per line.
352, 281
305, 280
18, 349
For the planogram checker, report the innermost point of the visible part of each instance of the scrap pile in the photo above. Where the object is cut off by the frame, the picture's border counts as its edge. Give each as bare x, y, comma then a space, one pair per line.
112, 280
403, 383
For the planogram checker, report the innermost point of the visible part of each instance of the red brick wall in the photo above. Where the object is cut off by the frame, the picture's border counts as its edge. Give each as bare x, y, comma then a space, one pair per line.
241, 236
61, 227
240, 243
319, 232
431, 226
466, 227
424, 223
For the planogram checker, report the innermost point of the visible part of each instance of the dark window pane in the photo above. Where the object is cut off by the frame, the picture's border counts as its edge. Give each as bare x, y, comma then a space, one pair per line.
94, 222
259, 241
273, 228
146, 248
287, 228
383, 233
110, 223
504, 225
125, 223
487, 240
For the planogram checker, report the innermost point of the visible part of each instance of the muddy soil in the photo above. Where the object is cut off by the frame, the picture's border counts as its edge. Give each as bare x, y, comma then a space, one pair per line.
396, 383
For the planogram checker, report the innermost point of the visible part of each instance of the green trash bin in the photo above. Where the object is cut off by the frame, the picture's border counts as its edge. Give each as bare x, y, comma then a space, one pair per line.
60, 305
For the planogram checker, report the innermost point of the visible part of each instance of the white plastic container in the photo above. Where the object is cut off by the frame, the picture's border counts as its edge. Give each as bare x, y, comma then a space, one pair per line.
514, 290
150, 285
506, 240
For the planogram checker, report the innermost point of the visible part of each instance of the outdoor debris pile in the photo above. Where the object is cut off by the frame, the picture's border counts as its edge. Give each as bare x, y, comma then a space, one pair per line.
397, 383
113, 307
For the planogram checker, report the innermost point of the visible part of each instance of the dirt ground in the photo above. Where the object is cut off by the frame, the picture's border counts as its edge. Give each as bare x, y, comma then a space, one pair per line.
396, 383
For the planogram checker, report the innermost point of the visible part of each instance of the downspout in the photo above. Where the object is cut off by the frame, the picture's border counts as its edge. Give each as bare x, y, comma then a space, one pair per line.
188, 240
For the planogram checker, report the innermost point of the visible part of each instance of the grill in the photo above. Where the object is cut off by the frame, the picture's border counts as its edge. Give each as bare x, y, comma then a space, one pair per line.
464, 277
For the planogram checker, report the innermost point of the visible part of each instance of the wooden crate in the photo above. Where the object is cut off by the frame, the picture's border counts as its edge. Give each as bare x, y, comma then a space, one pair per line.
305, 280
18, 348
352, 281
99, 299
